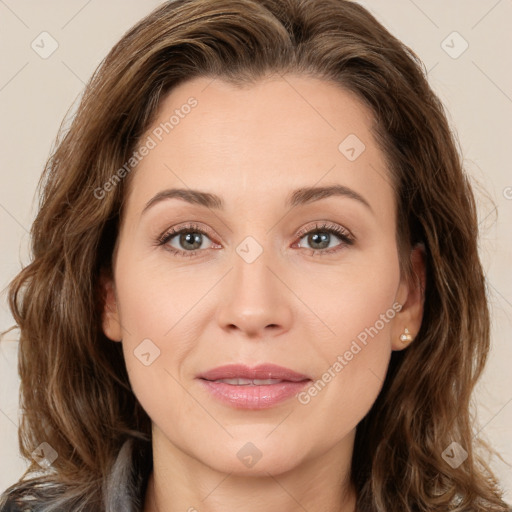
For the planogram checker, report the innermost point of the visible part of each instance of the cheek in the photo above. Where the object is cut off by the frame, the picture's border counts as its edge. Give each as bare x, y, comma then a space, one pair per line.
151, 313
353, 296
155, 298
357, 303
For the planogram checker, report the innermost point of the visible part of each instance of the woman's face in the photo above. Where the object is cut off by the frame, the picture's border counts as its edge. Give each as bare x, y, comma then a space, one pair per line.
246, 284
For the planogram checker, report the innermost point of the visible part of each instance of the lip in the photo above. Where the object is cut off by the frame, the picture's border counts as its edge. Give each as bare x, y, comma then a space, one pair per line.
262, 371
253, 396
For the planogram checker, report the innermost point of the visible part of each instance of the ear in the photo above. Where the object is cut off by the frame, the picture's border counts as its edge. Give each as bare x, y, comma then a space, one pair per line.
411, 294
110, 315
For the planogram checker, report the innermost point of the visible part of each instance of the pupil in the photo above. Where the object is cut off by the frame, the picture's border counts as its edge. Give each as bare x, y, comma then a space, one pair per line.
319, 238
191, 238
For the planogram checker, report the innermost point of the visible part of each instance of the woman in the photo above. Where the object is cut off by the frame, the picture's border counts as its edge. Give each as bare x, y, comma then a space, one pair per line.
317, 345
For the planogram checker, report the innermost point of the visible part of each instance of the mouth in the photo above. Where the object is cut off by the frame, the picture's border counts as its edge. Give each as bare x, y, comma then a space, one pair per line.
261, 387
249, 382
240, 374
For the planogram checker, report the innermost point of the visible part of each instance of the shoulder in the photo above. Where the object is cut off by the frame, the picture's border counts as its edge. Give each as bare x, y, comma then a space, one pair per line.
9, 505
24, 497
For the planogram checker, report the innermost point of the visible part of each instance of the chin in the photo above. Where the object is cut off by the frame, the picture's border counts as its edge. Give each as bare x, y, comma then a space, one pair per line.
258, 457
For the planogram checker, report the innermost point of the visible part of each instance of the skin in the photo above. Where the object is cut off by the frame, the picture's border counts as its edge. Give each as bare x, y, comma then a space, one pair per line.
252, 146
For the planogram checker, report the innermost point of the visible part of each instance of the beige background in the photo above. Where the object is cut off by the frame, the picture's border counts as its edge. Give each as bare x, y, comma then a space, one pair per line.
475, 85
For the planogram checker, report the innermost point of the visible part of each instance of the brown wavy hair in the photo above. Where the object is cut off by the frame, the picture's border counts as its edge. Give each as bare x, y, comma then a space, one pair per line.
75, 393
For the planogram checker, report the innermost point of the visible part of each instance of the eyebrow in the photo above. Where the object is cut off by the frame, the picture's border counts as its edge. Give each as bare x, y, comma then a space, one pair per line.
298, 197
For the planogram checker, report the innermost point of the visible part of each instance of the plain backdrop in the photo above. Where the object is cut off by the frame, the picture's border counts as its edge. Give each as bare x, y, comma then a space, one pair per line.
465, 45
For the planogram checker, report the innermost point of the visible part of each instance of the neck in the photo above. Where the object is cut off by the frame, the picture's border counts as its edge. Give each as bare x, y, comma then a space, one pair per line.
156, 502
188, 484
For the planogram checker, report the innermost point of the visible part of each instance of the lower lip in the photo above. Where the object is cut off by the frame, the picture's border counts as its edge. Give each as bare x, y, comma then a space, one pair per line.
253, 397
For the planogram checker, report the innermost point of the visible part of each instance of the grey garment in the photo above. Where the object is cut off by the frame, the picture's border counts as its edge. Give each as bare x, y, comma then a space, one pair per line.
10, 506
124, 489
127, 482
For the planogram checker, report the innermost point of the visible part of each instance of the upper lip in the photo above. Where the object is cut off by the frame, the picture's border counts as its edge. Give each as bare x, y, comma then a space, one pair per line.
262, 371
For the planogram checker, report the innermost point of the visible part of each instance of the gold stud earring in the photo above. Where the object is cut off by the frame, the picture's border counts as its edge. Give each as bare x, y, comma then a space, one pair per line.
406, 337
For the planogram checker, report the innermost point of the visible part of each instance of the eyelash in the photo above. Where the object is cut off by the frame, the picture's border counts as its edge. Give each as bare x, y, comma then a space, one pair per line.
346, 237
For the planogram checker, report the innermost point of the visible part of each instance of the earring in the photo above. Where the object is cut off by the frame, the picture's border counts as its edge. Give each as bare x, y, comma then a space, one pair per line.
406, 337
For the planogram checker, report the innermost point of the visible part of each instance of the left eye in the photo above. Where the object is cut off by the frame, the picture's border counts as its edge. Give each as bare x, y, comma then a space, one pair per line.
321, 233
322, 236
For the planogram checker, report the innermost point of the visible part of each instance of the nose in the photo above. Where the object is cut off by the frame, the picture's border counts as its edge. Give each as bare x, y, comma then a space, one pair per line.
256, 301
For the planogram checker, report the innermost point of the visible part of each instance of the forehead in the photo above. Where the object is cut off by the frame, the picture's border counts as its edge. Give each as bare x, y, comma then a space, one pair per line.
255, 143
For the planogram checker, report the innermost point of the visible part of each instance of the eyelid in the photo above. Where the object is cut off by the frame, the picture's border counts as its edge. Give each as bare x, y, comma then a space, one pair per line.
190, 226
344, 234
325, 225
